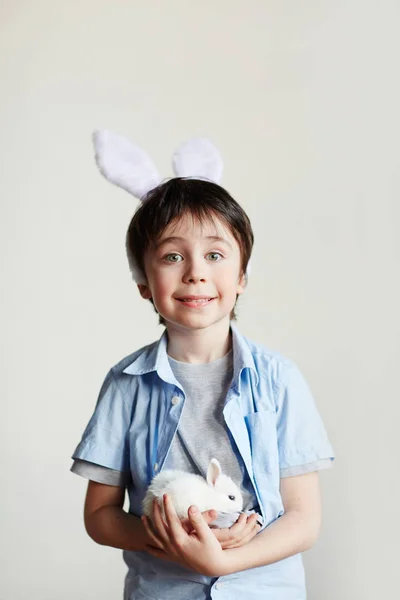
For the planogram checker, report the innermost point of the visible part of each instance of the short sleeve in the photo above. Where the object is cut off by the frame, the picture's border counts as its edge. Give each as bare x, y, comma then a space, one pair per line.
100, 474
105, 440
302, 437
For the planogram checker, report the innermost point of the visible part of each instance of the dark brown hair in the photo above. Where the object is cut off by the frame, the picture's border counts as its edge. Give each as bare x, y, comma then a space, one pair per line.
180, 196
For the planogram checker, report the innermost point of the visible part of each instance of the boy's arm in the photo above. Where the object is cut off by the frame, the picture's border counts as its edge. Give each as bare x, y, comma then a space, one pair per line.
107, 523
295, 531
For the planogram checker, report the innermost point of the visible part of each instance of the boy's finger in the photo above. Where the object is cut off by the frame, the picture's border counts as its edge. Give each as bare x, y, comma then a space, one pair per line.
156, 552
253, 519
240, 531
249, 526
222, 535
242, 519
244, 540
186, 525
175, 526
196, 518
208, 515
240, 524
158, 522
150, 534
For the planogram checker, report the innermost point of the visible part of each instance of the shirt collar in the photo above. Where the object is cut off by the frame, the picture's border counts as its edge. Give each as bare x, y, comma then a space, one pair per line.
155, 358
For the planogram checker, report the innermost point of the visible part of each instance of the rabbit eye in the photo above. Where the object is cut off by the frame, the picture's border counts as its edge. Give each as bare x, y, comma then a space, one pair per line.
231, 497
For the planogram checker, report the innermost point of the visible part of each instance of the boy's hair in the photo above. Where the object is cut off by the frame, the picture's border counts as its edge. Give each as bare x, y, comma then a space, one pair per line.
173, 199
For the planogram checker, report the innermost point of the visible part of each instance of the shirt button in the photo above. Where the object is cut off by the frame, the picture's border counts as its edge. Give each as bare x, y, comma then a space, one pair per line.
175, 400
155, 466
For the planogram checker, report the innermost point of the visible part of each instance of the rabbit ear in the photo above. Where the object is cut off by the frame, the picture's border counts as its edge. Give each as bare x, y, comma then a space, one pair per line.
124, 163
213, 472
198, 158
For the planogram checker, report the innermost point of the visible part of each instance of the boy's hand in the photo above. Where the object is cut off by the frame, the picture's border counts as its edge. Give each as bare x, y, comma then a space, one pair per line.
198, 550
240, 533
208, 515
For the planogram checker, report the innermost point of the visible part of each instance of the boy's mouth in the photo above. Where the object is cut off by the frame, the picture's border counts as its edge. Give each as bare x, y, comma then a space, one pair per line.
196, 300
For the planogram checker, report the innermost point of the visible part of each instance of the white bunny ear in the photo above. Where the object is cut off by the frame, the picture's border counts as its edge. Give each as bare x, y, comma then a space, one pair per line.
125, 164
249, 267
137, 274
213, 472
198, 158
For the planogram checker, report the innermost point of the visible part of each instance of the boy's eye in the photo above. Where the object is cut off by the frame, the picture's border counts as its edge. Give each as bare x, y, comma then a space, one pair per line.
174, 256
214, 254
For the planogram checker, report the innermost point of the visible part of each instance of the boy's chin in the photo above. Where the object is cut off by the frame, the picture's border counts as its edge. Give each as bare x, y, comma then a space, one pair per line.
195, 321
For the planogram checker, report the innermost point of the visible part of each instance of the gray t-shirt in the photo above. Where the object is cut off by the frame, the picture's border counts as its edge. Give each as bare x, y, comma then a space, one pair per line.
202, 433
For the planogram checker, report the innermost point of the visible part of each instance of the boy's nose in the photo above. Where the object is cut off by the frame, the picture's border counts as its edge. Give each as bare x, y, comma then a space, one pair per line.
193, 278
194, 273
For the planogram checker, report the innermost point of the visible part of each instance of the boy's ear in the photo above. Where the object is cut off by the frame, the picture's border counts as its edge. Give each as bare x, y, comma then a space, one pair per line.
241, 285
144, 291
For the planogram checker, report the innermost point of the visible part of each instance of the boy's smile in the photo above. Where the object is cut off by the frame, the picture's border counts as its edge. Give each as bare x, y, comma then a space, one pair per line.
193, 274
195, 301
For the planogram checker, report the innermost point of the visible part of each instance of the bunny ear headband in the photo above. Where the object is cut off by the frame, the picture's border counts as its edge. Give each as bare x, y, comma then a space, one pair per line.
126, 165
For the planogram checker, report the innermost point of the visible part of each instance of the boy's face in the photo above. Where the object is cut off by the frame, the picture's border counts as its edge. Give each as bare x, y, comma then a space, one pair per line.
189, 261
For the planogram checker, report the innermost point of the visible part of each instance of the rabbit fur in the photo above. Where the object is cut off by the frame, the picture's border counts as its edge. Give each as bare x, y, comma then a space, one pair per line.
186, 489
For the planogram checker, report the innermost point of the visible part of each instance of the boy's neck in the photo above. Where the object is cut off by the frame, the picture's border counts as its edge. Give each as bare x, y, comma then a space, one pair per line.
199, 346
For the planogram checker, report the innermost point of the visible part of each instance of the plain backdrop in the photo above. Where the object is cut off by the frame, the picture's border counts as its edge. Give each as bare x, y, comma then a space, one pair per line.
302, 99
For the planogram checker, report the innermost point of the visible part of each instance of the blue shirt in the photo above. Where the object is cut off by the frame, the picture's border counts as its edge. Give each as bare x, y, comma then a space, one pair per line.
271, 415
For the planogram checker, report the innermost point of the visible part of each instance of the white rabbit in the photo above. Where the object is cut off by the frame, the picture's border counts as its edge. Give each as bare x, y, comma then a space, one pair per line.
184, 489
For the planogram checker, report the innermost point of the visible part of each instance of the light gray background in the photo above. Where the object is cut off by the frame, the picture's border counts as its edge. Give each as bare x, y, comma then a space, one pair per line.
302, 99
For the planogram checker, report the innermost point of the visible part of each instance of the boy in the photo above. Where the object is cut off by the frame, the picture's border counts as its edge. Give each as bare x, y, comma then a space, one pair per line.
203, 390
